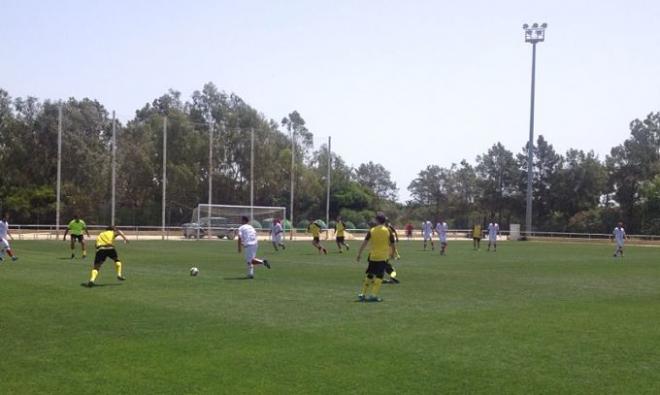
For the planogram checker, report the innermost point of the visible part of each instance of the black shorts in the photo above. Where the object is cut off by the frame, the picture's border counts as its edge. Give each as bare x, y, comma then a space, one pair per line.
316, 239
79, 238
476, 238
377, 268
101, 255
389, 268
340, 239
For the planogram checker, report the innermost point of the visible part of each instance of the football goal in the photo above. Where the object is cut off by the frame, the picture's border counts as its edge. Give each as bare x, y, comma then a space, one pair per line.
221, 220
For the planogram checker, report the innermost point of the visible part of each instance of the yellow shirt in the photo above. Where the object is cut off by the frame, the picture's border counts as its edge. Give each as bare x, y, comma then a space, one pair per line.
105, 240
314, 229
380, 238
339, 229
476, 231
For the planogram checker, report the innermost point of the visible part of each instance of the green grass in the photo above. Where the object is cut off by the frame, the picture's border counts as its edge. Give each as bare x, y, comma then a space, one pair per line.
531, 318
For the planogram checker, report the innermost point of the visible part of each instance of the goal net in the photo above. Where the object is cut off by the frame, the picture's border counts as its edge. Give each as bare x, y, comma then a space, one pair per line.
222, 220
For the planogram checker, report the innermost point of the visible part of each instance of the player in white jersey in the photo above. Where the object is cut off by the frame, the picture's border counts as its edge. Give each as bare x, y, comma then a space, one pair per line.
277, 235
427, 233
247, 240
619, 236
441, 229
493, 231
4, 236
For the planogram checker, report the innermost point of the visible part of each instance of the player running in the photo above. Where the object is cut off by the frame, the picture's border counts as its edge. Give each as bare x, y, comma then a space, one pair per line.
493, 231
105, 248
340, 230
441, 229
619, 237
247, 240
4, 236
382, 247
277, 234
427, 233
315, 229
76, 228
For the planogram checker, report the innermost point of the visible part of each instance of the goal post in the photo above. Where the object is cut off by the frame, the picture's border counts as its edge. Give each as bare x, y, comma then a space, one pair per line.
221, 220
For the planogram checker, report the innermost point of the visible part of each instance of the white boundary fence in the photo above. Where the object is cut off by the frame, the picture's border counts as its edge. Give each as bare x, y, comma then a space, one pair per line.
48, 232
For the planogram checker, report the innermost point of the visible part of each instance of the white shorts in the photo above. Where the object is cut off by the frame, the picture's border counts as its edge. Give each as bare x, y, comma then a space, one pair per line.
492, 238
443, 240
250, 252
277, 238
428, 236
4, 244
619, 243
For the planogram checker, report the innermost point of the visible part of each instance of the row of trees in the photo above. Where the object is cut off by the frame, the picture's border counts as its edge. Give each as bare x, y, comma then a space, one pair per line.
575, 191
28, 156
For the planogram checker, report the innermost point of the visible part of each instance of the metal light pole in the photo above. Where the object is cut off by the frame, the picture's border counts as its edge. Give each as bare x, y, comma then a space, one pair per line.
327, 194
162, 213
293, 150
533, 34
210, 176
59, 169
252, 174
114, 168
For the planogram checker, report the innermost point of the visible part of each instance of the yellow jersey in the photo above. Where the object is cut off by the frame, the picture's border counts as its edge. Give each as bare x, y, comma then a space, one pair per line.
340, 228
105, 239
381, 239
476, 231
314, 229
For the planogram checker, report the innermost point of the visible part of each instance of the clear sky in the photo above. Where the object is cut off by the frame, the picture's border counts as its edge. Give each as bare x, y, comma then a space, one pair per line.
401, 83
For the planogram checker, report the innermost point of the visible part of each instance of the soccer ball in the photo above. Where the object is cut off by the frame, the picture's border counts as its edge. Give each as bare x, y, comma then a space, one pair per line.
194, 271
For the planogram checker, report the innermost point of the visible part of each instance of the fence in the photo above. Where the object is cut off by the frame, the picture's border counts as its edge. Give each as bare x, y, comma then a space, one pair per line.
49, 232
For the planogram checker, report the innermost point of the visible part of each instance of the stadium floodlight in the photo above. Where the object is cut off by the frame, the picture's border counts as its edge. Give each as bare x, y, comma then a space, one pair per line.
534, 34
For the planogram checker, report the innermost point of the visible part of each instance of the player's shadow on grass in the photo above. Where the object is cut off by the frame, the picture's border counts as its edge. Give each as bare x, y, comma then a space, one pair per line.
236, 278
101, 285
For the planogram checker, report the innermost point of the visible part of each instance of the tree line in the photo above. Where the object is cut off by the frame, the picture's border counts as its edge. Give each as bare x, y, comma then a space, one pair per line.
575, 191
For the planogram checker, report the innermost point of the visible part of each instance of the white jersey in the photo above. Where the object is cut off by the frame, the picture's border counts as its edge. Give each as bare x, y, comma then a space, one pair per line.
427, 228
442, 229
277, 232
247, 234
4, 228
619, 235
493, 230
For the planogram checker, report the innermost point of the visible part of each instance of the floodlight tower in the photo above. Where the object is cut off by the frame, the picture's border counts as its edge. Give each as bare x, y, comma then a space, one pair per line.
533, 34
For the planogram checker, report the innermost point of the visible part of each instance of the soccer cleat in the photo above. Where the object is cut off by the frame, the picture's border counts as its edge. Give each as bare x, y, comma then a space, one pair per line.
283, 247
1, 259
88, 284
348, 247
73, 256
250, 277
120, 278
341, 252
266, 263
361, 297
394, 280
372, 298
14, 258
325, 252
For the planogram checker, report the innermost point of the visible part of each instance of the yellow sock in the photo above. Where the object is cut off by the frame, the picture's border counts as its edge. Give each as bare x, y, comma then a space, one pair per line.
118, 267
95, 274
376, 287
365, 285
84, 254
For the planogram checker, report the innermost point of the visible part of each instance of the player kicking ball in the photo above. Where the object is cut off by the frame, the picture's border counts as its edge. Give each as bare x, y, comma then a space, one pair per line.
105, 248
381, 248
247, 241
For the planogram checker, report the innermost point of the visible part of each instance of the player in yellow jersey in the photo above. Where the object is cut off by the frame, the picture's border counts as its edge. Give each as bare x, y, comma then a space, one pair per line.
476, 236
340, 234
315, 229
381, 249
389, 269
105, 248
76, 228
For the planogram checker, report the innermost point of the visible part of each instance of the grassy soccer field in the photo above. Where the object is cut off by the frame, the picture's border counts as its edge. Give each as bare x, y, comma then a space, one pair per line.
531, 318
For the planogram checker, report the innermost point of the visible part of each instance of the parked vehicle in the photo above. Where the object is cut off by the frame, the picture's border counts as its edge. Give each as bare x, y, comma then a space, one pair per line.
219, 227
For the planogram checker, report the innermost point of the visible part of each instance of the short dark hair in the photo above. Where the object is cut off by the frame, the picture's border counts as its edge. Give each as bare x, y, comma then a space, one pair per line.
245, 219
380, 217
